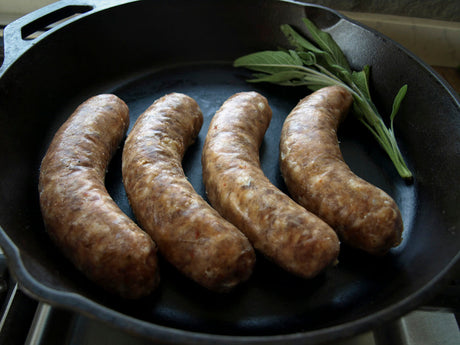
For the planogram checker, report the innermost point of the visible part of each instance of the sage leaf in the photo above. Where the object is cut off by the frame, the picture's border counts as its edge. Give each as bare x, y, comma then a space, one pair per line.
320, 64
327, 43
281, 78
361, 80
397, 103
298, 41
308, 58
268, 61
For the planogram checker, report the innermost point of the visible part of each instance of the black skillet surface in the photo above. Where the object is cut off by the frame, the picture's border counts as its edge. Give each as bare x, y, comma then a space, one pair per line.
142, 50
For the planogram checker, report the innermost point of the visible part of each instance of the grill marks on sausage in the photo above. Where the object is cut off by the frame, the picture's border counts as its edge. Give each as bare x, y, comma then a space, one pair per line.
80, 216
190, 234
236, 186
318, 178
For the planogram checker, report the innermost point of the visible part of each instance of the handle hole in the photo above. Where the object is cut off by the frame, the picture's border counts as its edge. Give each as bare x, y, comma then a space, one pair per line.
2, 46
41, 25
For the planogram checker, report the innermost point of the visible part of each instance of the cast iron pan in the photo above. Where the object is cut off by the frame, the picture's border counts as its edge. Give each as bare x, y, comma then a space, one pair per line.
141, 50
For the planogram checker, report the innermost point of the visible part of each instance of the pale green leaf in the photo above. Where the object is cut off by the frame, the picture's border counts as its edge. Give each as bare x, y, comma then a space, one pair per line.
361, 80
278, 77
327, 43
297, 40
308, 58
397, 103
297, 60
268, 61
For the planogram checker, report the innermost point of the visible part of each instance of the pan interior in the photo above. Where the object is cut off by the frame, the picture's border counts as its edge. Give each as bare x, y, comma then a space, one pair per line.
272, 301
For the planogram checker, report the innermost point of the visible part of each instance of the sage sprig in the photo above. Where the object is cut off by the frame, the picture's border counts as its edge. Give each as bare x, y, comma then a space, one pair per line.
320, 64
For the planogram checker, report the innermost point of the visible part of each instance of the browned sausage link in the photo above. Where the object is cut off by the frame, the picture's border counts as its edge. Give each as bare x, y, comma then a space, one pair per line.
189, 232
236, 186
318, 178
78, 212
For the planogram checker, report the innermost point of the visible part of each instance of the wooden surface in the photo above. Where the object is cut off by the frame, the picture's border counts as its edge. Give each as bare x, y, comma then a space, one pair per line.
451, 75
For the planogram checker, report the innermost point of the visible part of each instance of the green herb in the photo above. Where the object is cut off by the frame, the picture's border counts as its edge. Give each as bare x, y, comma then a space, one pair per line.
324, 64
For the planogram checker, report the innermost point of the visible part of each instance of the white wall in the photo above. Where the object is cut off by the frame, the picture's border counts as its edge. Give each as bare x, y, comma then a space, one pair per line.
22, 6
13, 9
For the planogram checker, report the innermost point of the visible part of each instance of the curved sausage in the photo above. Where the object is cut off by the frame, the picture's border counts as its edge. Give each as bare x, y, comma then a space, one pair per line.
236, 186
190, 234
80, 216
318, 178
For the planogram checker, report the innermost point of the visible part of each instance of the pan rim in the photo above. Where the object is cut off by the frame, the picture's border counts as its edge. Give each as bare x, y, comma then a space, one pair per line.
85, 306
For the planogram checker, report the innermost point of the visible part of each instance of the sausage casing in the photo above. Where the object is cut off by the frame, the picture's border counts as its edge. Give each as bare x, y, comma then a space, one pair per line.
236, 186
190, 234
78, 212
317, 177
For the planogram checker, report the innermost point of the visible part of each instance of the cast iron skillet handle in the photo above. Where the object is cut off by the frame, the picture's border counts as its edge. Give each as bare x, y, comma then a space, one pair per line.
23, 33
